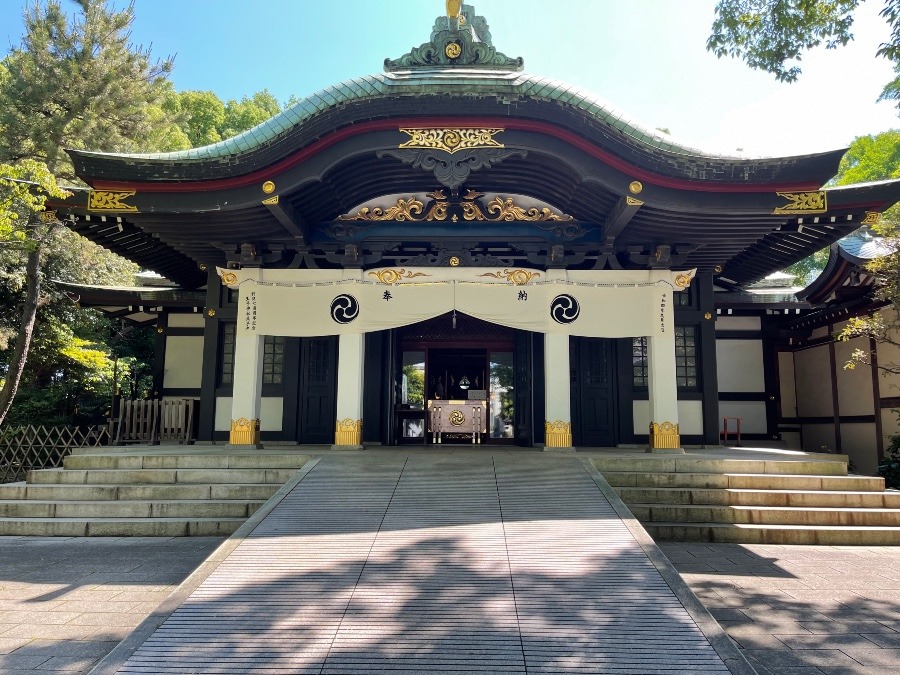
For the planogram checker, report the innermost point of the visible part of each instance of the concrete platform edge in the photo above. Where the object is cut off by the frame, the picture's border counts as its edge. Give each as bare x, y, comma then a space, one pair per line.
734, 660
111, 663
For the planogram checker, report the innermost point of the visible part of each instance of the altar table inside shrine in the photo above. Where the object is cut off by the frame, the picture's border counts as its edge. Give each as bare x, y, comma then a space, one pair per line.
457, 418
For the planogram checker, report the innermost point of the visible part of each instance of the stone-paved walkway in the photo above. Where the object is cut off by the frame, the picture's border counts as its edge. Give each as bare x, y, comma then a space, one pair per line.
429, 563
66, 602
801, 609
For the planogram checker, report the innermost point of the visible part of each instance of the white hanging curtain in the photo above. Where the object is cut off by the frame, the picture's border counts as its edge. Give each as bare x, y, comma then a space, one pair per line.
589, 304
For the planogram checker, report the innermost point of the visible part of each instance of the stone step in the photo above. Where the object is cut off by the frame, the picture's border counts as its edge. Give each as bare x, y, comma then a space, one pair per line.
825, 465
187, 461
67, 492
765, 515
752, 481
119, 527
822, 535
157, 476
889, 499
204, 508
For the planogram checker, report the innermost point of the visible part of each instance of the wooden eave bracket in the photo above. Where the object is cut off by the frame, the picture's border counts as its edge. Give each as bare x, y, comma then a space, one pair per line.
290, 220
622, 213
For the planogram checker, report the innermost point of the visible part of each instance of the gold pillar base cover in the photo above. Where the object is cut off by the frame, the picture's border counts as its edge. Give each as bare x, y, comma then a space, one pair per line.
664, 435
244, 432
348, 432
558, 434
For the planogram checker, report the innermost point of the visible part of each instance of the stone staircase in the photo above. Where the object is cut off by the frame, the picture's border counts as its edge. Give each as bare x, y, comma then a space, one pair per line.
770, 501
163, 492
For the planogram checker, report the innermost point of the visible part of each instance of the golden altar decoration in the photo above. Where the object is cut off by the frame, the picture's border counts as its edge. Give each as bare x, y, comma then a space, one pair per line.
457, 417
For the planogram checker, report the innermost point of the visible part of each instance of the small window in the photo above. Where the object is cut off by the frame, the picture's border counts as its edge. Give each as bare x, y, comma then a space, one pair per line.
686, 361
226, 361
273, 359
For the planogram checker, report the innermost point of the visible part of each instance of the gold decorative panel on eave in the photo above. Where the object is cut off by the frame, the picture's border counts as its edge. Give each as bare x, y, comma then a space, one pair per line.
802, 203
451, 140
111, 201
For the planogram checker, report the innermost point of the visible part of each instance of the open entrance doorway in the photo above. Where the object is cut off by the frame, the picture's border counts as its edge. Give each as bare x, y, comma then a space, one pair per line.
457, 360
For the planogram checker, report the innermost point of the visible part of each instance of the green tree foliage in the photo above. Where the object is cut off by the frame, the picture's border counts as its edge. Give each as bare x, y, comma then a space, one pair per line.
73, 82
205, 119
772, 35
248, 112
24, 188
869, 158
878, 158
78, 83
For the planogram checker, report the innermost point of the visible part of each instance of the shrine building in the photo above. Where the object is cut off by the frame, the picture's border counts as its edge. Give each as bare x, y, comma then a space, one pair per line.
455, 251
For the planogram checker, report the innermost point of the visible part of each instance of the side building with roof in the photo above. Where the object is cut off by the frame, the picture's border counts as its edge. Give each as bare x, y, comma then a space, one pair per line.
456, 238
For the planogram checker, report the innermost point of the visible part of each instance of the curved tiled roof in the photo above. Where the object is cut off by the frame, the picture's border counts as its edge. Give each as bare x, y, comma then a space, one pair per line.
457, 81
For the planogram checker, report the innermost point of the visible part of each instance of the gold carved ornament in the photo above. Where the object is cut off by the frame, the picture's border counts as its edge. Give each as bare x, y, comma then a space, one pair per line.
244, 432
454, 262
635, 187
453, 50
518, 277
506, 210
684, 279
103, 200
348, 424
501, 209
451, 140
872, 218
392, 276
558, 434
457, 418
48, 217
800, 203
229, 278
664, 435
348, 432
268, 187
410, 209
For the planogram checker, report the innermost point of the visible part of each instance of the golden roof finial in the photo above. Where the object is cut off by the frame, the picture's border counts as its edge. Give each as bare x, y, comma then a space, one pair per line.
453, 8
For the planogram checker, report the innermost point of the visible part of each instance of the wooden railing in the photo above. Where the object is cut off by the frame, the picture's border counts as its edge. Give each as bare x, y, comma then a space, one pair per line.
154, 422
25, 448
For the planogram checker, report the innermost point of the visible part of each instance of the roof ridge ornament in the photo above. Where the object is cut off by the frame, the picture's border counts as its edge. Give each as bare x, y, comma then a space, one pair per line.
459, 39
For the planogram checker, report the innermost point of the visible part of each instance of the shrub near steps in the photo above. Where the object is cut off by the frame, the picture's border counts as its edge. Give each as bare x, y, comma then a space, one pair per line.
809, 501
118, 493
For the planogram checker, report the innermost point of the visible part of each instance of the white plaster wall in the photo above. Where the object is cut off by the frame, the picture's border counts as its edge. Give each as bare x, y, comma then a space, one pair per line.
752, 414
184, 361
813, 381
818, 438
888, 354
194, 320
855, 396
739, 365
787, 387
748, 323
690, 417
858, 441
270, 419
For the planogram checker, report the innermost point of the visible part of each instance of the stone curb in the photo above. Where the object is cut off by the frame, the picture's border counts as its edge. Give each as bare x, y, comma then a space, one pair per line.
733, 658
111, 663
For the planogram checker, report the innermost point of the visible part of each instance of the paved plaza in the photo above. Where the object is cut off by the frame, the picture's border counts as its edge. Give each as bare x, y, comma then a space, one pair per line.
408, 545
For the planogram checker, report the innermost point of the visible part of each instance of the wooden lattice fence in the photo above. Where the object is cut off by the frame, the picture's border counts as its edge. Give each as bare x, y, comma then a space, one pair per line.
39, 447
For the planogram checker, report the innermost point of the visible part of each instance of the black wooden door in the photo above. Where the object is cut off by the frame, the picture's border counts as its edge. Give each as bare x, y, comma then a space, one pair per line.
318, 390
524, 383
593, 366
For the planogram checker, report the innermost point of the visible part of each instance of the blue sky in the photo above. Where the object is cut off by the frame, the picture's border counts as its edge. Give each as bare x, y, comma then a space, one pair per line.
645, 57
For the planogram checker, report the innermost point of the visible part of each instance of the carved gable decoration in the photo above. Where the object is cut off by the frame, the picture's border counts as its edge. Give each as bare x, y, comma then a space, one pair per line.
462, 40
